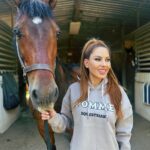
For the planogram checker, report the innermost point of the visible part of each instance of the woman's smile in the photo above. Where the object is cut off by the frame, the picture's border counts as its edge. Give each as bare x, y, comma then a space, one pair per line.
103, 71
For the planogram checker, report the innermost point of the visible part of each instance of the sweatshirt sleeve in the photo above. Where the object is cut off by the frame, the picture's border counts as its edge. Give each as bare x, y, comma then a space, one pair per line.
61, 121
124, 126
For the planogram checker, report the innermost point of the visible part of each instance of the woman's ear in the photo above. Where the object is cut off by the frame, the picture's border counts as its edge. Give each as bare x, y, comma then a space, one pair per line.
86, 63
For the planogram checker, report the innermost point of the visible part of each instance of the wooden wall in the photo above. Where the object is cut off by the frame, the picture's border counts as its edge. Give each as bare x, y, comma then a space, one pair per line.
8, 61
142, 77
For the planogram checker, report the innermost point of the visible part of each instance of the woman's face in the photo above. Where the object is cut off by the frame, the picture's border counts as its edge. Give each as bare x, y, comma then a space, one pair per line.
98, 64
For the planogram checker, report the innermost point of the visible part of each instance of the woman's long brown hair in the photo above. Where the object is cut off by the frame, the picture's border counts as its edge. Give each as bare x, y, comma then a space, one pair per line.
112, 86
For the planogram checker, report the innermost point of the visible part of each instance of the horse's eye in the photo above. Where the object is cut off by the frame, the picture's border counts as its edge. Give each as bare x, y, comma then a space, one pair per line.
58, 34
17, 32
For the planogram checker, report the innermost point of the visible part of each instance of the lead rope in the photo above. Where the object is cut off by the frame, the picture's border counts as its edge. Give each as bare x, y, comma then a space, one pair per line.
47, 137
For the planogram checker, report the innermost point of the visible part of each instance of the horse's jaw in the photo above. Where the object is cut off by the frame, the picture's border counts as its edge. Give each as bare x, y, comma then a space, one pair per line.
45, 108
42, 108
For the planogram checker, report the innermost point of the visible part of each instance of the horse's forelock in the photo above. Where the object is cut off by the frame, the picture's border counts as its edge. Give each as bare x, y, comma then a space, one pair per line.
35, 8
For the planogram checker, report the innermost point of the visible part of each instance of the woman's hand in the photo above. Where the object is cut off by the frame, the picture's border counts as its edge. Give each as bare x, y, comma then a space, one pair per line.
46, 115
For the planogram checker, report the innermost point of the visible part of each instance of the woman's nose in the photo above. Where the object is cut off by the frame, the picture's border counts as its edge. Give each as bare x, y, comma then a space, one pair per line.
103, 63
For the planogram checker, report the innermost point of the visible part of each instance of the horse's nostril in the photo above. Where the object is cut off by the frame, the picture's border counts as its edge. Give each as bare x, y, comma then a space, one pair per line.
34, 94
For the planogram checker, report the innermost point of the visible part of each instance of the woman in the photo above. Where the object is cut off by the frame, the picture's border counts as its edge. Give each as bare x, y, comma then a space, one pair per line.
96, 106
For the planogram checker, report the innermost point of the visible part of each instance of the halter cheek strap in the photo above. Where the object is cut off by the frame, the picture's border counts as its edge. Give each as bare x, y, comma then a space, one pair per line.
32, 67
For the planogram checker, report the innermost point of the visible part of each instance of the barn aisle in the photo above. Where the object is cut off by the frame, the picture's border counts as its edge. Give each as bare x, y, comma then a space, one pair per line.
23, 135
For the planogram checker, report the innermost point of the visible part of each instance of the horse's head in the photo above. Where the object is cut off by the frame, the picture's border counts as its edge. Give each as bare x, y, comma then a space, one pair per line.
37, 39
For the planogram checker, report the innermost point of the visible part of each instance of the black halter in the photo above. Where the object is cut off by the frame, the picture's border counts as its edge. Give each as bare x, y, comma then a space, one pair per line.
32, 67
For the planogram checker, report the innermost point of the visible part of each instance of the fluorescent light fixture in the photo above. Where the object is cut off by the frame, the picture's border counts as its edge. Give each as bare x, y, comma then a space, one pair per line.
74, 28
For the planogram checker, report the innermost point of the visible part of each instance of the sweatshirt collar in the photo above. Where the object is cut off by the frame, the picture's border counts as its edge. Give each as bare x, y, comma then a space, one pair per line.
102, 83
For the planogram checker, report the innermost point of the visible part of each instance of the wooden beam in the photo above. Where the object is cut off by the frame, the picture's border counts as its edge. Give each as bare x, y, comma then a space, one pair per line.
76, 13
10, 5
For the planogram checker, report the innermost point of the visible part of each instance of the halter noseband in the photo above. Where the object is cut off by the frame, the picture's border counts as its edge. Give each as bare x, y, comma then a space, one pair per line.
32, 67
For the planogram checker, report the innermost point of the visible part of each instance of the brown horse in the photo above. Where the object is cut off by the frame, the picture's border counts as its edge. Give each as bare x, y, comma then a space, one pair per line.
36, 31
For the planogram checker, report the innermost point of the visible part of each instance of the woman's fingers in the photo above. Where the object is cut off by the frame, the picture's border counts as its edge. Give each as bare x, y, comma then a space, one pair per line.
52, 113
45, 115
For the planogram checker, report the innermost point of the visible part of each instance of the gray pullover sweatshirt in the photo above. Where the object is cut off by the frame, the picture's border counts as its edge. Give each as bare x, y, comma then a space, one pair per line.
94, 121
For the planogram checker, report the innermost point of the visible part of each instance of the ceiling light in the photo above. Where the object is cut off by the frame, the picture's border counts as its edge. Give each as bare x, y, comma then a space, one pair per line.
74, 28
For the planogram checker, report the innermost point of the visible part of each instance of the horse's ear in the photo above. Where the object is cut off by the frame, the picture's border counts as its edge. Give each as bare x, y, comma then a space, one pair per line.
52, 3
17, 2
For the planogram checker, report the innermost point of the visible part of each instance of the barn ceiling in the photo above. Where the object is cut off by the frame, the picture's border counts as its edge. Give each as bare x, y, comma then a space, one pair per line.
109, 20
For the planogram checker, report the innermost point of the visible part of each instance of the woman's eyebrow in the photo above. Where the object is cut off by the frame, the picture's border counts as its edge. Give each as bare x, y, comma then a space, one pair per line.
101, 57
98, 56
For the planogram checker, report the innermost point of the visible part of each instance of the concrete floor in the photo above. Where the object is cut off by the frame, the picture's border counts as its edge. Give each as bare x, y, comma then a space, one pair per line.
23, 135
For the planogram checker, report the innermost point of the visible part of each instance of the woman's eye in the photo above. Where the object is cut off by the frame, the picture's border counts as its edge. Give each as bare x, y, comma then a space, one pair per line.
108, 60
98, 59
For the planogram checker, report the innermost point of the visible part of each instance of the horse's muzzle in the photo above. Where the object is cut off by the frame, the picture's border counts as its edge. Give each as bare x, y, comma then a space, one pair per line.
44, 98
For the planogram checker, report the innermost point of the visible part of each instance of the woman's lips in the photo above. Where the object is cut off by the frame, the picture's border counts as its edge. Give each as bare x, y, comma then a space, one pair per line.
102, 71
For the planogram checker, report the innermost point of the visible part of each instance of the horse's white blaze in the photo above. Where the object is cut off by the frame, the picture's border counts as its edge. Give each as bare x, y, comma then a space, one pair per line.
37, 20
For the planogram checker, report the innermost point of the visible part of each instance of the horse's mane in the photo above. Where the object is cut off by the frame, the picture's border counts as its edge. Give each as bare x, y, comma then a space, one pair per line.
35, 8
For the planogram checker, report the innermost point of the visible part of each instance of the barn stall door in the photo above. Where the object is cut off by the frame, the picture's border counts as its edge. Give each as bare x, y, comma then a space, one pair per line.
142, 77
